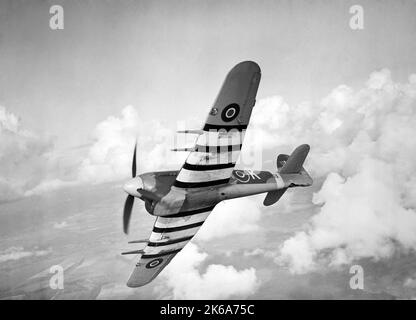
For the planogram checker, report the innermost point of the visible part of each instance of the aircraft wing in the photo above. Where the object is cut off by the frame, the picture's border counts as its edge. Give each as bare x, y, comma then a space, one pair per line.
169, 236
218, 146
209, 163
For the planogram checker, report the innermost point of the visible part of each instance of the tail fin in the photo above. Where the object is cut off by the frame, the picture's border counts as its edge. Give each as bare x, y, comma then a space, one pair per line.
292, 172
294, 162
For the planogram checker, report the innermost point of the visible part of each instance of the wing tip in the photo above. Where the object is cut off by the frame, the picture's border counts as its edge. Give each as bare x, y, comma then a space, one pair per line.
248, 64
137, 284
136, 281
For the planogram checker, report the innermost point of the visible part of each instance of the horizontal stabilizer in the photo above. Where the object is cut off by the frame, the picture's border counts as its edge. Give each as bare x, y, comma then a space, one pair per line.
273, 196
290, 169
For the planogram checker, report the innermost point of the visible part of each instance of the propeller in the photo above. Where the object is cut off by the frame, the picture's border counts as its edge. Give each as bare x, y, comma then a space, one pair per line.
128, 205
133, 166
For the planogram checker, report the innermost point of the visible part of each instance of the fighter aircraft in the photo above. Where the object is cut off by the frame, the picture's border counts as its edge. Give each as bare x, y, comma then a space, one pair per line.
182, 199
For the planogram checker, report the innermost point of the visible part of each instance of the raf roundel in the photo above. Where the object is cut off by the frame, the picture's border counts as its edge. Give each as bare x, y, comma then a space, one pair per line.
230, 112
154, 263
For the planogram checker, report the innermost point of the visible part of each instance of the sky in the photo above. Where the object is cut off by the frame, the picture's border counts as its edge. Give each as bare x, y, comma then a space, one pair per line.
173, 56
73, 101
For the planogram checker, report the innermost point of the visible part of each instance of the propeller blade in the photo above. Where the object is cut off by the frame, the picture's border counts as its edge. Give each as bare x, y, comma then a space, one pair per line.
133, 167
128, 206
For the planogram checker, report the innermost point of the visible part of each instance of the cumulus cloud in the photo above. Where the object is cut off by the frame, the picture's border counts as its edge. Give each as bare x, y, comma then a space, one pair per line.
16, 253
410, 283
185, 280
60, 225
30, 165
270, 254
236, 216
23, 156
110, 156
363, 142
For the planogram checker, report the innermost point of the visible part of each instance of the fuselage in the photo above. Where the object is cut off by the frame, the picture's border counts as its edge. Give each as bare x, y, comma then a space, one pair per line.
162, 198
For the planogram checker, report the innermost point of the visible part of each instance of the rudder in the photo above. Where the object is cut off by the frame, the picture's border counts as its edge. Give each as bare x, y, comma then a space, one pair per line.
295, 161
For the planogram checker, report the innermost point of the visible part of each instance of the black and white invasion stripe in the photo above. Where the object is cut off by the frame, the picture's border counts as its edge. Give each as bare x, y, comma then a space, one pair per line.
214, 157
170, 234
